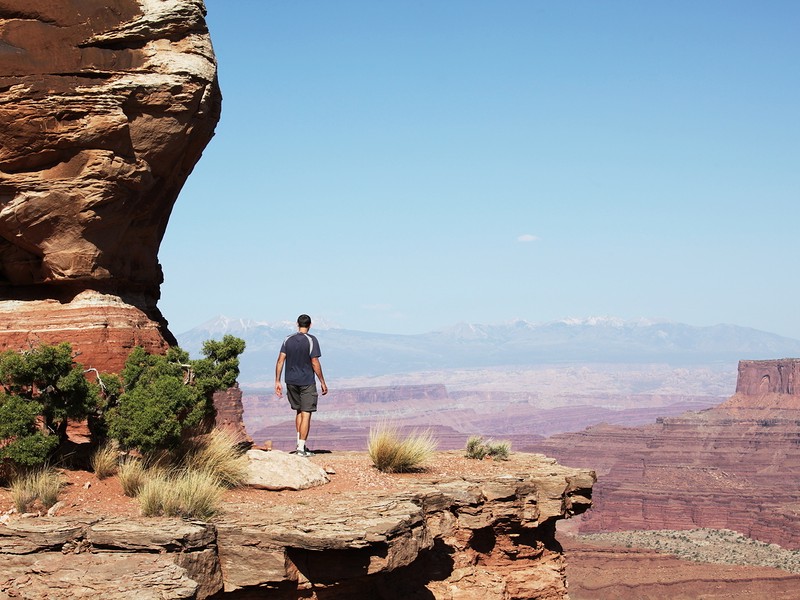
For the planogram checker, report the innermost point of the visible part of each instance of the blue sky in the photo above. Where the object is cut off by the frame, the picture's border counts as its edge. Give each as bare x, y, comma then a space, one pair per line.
403, 166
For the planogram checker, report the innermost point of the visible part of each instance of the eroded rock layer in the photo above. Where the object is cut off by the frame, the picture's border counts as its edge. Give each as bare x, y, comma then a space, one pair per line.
105, 107
488, 538
735, 466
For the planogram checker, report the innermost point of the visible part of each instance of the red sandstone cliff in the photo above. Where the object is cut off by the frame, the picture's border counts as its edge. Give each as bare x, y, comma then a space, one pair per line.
105, 107
735, 466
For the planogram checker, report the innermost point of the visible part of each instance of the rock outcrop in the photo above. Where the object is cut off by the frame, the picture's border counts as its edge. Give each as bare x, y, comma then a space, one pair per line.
229, 413
486, 538
105, 107
734, 466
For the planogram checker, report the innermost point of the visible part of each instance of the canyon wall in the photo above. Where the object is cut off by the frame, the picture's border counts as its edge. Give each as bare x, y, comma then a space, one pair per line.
734, 466
105, 107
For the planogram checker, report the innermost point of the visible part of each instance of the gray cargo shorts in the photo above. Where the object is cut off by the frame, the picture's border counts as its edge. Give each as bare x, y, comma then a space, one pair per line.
302, 397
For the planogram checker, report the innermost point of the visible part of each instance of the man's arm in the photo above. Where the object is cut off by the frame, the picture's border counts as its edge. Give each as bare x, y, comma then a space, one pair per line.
318, 372
278, 371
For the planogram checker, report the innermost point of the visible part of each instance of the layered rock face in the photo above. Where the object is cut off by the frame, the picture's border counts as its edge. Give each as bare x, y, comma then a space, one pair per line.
735, 466
105, 107
229, 412
450, 539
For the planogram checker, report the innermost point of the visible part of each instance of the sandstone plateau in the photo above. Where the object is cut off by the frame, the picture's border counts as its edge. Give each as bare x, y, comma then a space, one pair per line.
462, 529
735, 466
105, 107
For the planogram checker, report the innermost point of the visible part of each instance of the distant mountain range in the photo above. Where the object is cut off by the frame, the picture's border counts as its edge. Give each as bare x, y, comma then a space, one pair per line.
350, 353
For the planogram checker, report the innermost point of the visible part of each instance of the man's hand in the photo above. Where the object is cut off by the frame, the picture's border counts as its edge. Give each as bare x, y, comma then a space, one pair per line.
278, 371
324, 388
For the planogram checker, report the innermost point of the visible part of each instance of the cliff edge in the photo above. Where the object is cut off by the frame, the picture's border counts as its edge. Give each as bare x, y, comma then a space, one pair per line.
488, 534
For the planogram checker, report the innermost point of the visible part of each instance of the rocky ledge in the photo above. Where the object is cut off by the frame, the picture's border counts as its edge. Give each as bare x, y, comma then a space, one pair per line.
468, 537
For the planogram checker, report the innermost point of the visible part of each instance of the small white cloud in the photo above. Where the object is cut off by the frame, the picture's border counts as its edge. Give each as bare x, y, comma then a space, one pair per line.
527, 237
377, 307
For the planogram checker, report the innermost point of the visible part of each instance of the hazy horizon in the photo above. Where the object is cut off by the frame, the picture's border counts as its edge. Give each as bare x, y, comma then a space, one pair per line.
398, 166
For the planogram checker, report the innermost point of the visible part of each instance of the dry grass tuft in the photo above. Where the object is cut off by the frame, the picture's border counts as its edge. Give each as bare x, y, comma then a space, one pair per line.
105, 461
392, 453
42, 484
132, 476
188, 494
219, 456
192, 489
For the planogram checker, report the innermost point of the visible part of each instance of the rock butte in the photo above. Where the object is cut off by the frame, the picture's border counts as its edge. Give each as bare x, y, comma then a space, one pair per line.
734, 466
105, 107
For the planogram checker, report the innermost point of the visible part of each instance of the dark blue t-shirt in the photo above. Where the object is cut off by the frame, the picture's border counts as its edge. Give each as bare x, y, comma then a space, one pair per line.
300, 348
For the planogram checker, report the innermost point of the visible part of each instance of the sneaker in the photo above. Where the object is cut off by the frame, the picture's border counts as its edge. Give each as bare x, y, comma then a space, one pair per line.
306, 453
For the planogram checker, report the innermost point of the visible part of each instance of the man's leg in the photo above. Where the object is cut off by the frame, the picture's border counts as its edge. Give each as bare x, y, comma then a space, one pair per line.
303, 423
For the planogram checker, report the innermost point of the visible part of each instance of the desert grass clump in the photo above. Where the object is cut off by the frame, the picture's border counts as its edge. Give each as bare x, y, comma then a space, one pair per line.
219, 456
43, 484
476, 448
392, 453
105, 461
132, 476
157, 496
22, 494
499, 450
199, 494
189, 494
479, 449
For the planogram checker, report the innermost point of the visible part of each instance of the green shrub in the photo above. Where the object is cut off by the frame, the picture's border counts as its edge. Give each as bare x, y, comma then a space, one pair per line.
394, 454
40, 384
479, 449
43, 484
30, 451
499, 450
153, 416
476, 448
47, 375
169, 397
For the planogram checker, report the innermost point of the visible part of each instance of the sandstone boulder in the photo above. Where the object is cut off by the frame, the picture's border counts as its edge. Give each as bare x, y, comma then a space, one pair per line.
276, 470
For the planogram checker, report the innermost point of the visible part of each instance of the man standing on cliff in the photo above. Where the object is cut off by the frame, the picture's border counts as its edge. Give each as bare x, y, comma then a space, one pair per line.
300, 353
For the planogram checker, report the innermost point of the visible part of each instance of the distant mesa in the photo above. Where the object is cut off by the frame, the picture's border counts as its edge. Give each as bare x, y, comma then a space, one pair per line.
767, 384
734, 466
105, 107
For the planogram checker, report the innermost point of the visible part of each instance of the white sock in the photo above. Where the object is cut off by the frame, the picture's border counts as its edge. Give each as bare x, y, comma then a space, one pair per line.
301, 445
